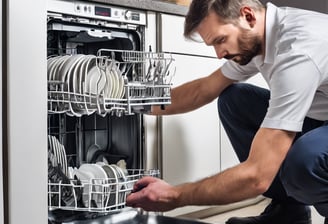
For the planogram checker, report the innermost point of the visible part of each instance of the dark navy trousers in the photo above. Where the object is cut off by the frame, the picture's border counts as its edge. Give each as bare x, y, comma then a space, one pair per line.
303, 177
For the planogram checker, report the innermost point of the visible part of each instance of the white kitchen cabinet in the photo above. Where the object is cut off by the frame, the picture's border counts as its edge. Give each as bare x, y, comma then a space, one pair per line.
190, 141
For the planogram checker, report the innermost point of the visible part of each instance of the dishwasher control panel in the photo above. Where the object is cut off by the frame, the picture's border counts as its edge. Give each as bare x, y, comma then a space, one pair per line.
97, 11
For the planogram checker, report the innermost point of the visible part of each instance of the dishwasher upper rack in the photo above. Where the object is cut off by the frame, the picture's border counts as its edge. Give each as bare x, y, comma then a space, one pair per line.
96, 194
143, 79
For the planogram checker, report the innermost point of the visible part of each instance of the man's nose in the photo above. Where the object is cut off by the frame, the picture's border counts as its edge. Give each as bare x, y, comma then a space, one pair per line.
220, 53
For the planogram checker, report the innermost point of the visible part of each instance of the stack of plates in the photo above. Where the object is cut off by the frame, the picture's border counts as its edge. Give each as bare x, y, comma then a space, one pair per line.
81, 78
115, 82
58, 150
104, 185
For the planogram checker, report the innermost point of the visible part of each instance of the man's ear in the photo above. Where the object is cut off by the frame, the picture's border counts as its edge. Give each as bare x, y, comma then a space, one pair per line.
248, 14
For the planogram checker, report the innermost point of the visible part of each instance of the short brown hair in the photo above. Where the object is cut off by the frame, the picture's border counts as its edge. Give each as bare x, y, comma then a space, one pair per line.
228, 10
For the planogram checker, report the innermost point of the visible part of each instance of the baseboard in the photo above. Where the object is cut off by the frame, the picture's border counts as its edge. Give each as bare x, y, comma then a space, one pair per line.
204, 212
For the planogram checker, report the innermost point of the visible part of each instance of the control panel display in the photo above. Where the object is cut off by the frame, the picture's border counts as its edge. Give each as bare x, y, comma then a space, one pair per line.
101, 11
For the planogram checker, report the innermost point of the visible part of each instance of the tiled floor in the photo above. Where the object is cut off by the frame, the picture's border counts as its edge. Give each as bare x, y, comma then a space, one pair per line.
253, 210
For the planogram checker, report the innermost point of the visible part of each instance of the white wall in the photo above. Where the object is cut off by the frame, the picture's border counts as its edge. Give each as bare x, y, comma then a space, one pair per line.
316, 5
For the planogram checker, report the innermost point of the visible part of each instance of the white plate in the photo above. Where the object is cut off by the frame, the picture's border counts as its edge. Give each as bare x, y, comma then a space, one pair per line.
95, 169
78, 73
74, 66
55, 149
55, 75
87, 65
51, 66
110, 172
55, 67
64, 160
52, 150
98, 177
83, 175
50, 63
112, 192
104, 82
121, 183
119, 85
108, 90
60, 154
70, 82
121, 89
95, 81
67, 66
115, 83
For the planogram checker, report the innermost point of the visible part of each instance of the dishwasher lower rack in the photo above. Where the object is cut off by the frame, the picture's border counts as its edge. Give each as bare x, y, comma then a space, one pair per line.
113, 81
94, 195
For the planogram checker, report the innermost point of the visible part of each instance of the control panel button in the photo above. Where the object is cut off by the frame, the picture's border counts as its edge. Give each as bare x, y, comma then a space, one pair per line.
128, 15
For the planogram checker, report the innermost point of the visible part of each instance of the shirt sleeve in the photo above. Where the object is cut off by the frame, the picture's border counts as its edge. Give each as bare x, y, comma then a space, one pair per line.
293, 83
234, 71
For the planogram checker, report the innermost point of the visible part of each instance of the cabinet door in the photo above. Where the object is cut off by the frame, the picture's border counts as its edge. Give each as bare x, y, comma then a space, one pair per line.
191, 147
190, 141
172, 39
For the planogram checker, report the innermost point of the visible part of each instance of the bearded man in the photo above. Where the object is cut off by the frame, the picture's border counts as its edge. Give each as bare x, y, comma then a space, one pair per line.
280, 134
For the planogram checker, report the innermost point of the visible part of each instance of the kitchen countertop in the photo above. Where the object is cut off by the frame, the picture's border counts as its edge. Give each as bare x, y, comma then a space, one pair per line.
151, 5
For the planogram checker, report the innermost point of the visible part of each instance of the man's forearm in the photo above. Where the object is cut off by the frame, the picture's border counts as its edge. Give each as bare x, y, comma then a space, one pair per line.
232, 185
246, 180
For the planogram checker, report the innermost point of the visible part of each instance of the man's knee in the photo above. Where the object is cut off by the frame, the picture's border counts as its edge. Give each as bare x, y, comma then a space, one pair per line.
305, 170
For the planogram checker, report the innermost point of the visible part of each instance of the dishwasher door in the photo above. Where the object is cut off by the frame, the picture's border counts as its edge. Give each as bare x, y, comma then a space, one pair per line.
133, 217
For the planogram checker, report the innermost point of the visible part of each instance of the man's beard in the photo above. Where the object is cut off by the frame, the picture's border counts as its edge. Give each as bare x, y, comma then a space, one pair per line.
249, 45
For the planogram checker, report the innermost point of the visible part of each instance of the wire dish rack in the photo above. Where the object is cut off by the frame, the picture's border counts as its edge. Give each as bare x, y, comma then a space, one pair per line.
113, 81
94, 195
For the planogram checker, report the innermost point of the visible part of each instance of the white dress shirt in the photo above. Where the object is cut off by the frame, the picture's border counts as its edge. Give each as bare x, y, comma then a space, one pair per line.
295, 66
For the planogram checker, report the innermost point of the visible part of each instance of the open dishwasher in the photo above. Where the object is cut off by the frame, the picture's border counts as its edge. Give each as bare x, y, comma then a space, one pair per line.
100, 82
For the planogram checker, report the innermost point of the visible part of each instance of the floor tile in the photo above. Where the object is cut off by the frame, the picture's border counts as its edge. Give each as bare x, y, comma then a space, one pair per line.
254, 210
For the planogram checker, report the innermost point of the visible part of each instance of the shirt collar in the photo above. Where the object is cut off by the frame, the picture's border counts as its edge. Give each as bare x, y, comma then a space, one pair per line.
271, 36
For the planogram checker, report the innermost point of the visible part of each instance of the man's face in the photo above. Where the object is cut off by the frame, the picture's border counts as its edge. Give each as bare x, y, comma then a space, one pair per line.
230, 41
249, 46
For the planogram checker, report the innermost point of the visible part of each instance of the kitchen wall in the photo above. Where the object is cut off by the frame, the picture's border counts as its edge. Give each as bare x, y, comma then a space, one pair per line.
317, 5
180, 2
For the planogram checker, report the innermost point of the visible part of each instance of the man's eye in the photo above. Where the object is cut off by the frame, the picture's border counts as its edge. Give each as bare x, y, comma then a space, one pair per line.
220, 40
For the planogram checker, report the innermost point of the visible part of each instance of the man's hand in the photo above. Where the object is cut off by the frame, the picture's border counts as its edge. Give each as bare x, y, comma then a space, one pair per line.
153, 194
